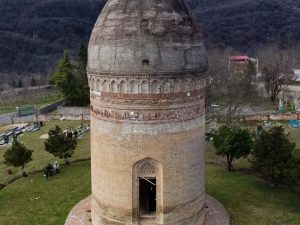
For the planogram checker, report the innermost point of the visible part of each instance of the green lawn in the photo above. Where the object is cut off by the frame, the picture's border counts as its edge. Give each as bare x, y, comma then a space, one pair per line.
248, 200
36, 201
40, 157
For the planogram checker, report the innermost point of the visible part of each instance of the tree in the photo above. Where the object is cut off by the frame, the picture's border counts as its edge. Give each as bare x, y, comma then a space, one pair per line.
81, 75
33, 82
277, 69
240, 94
20, 83
71, 81
18, 155
217, 75
275, 157
233, 143
65, 80
59, 144
63, 71
235, 91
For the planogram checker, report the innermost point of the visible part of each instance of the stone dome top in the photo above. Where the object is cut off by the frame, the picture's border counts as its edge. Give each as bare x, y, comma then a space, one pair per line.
146, 36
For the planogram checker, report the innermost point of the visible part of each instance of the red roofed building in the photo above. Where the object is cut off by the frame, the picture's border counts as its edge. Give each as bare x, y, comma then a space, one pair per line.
238, 63
240, 58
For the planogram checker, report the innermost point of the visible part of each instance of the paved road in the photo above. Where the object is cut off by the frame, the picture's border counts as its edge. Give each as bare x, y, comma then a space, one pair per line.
10, 118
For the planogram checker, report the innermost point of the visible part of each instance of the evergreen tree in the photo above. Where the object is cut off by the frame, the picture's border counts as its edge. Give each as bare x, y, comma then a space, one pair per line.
233, 143
59, 144
63, 72
82, 58
71, 80
65, 80
20, 83
18, 155
275, 157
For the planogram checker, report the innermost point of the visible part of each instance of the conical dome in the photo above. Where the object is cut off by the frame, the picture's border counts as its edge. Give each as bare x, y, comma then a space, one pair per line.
144, 36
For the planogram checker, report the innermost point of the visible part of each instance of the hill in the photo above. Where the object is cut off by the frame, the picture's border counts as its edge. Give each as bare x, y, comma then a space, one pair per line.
34, 33
246, 24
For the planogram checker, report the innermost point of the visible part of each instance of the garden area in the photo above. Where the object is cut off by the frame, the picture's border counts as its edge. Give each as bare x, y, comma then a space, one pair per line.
40, 158
34, 200
249, 201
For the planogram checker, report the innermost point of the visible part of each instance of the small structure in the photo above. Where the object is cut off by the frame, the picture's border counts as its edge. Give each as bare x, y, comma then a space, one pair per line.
239, 63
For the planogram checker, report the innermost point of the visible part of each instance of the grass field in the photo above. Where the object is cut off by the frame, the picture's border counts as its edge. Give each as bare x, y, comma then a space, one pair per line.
35, 201
250, 201
40, 157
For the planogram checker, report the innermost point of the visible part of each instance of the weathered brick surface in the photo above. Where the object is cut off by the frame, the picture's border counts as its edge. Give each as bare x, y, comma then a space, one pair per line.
146, 75
177, 147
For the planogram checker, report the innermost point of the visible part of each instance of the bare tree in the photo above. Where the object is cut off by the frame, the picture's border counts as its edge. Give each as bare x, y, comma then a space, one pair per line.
276, 67
217, 75
235, 91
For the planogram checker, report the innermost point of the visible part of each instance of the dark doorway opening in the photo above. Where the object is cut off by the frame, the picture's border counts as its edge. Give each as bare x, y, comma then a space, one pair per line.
147, 196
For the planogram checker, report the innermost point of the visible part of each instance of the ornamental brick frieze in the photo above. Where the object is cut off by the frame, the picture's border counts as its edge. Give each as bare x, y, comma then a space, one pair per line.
148, 74
160, 96
119, 98
141, 85
148, 115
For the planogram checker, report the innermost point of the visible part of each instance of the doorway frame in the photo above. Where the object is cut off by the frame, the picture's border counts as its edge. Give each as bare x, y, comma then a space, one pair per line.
147, 179
137, 173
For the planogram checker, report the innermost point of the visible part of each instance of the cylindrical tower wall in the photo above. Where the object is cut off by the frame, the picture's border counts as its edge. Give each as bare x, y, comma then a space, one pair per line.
146, 74
176, 146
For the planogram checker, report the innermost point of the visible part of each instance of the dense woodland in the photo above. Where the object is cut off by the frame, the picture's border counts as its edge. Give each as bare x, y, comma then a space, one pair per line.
246, 25
34, 33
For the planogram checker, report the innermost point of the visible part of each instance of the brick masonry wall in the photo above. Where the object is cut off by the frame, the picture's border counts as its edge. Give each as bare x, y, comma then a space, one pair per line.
178, 148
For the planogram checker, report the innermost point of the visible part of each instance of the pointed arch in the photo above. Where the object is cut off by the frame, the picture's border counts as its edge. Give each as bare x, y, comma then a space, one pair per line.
166, 87
176, 85
104, 86
144, 87
98, 85
122, 87
113, 87
147, 170
155, 87
91, 83
133, 87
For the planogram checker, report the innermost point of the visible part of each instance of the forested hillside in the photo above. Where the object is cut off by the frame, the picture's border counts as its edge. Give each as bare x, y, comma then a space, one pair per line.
34, 33
246, 24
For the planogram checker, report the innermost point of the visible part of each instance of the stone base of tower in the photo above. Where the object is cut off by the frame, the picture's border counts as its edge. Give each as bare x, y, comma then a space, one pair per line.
216, 214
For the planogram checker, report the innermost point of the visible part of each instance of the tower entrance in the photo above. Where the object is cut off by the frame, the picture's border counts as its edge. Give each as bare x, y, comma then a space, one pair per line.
147, 197
147, 192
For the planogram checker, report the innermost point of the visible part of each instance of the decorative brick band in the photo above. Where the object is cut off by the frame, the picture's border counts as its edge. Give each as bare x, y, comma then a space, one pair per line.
159, 96
157, 74
165, 115
145, 85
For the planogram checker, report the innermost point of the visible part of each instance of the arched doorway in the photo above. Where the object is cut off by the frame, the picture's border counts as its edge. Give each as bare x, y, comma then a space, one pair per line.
147, 191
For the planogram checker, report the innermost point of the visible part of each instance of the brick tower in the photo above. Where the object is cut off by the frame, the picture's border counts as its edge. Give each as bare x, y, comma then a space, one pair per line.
146, 65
